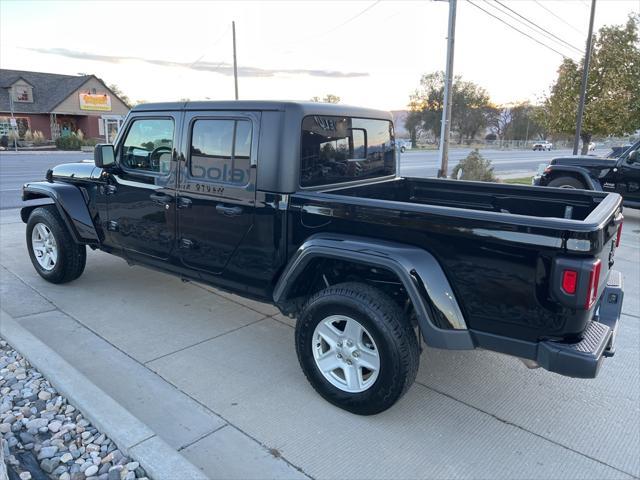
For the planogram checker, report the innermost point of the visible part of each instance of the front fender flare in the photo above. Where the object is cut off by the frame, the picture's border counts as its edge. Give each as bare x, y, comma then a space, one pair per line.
583, 173
70, 204
418, 270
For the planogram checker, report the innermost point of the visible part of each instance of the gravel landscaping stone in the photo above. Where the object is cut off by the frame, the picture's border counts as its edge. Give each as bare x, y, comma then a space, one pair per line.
36, 420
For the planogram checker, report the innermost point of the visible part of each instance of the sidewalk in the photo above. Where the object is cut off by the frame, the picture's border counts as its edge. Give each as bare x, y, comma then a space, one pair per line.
217, 378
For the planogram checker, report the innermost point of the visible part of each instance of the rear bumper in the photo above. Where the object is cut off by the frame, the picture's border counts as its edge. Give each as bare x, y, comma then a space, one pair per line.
581, 359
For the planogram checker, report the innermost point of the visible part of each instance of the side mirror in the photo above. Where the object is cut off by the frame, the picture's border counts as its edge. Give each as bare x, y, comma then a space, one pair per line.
632, 157
103, 155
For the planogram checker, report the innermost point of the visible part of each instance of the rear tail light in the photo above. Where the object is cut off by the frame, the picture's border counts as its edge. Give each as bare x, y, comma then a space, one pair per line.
547, 169
569, 281
619, 235
592, 288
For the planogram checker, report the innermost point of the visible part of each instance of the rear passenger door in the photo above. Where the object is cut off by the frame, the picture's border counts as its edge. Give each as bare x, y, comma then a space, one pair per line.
216, 191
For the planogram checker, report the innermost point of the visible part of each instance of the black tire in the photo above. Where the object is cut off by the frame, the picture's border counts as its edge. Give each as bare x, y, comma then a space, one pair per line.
566, 182
71, 257
402, 149
391, 332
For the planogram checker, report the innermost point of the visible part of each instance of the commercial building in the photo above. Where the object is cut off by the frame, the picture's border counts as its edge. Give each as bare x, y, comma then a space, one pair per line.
57, 105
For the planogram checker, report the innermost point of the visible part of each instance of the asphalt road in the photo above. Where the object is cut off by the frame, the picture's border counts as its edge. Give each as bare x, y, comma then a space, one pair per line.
426, 163
17, 169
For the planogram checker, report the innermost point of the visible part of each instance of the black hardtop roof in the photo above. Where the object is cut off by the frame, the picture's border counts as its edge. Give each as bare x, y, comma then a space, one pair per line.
300, 108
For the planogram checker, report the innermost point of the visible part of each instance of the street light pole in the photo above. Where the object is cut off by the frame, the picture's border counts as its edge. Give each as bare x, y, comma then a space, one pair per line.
448, 87
585, 78
235, 63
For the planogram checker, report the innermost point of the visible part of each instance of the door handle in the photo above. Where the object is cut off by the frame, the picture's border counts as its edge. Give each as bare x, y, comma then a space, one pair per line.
184, 202
228, 210
160, 198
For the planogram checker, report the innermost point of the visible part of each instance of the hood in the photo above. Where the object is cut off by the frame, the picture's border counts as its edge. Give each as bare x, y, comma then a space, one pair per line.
585, 161
82, 170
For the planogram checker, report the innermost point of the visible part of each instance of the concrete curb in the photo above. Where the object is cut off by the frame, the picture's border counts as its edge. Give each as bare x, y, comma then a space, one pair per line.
131, 435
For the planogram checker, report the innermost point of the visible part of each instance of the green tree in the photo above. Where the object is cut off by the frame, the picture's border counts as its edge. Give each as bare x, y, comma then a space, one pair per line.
612, 105
115, 89
328, 98
526, 122
468, 112
413, 125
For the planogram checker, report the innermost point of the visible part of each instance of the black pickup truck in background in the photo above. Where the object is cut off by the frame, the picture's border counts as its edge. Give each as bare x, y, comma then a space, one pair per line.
620, 174
300, 205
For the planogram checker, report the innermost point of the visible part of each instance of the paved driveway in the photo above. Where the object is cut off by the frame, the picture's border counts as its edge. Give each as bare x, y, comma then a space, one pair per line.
212, 372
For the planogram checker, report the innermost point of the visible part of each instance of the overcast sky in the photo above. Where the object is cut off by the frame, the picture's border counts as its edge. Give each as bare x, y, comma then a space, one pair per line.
369, 53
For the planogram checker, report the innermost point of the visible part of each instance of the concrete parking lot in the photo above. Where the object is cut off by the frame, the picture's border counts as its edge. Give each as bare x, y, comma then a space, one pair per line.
217, 378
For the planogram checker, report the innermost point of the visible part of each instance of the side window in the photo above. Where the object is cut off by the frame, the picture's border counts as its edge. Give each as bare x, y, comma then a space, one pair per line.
148, 146
221, 151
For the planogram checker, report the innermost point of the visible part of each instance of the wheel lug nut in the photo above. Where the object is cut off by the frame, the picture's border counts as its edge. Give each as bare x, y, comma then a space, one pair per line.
349, 362
339, 355
356, 354
339, 344
349, 343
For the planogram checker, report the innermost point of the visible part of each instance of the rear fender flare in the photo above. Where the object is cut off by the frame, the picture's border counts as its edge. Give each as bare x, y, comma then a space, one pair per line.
419, 272
71, 205
574, 171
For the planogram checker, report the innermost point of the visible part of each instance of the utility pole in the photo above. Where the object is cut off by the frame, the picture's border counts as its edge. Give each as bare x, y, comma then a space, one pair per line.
235, 63
448, 87
585, 78
14, 127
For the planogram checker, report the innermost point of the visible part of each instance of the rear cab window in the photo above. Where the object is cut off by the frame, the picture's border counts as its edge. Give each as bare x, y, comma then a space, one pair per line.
345, 149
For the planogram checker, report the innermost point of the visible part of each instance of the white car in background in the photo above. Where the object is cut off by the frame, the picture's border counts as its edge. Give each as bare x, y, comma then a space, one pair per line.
542, 145
403, 144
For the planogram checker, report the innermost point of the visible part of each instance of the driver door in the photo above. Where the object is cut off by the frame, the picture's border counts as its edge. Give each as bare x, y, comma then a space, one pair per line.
141, 190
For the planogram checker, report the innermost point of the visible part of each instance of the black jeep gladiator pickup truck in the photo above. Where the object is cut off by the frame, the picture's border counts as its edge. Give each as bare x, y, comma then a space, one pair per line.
301, 205
620, 175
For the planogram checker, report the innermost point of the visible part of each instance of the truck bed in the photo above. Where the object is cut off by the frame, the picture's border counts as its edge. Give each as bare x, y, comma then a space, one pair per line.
482, 196
497, 243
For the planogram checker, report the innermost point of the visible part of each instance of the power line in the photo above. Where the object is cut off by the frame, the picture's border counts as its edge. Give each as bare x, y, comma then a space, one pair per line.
518, 30
511, 16
539, 27
558, 17
209, 47
349, 20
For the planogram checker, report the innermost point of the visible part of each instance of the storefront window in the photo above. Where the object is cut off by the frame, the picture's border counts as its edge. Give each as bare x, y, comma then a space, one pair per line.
22, 125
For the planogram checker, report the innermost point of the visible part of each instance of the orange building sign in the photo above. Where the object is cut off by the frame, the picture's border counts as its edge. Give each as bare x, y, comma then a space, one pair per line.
95, 101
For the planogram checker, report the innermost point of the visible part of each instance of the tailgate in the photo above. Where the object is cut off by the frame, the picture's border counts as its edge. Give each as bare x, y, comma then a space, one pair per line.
579, 278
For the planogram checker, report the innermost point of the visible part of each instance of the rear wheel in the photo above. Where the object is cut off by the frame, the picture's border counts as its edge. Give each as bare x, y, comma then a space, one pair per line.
356, 348
54, 254
566, 182
402, 149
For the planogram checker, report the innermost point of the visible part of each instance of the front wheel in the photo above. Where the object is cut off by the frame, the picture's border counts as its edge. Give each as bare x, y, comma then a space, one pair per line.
54, 254
356, 348
402, 149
